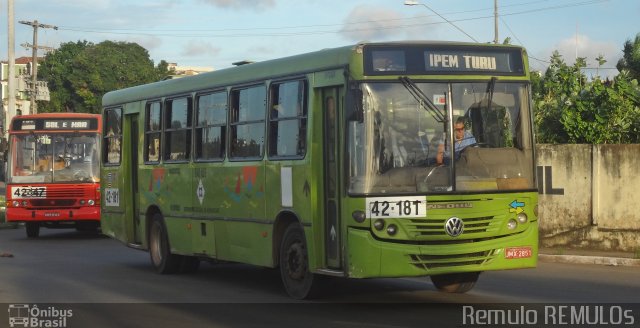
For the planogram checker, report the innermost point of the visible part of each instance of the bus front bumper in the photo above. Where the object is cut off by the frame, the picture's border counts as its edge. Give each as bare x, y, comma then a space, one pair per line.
369, 257
88, 213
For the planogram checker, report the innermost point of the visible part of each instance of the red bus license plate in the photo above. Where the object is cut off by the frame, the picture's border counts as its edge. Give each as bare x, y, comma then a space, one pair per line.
517, 252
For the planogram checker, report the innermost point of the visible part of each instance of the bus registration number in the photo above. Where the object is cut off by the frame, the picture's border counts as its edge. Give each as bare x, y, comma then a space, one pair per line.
112, 197
28, 192
518, 252
397, 207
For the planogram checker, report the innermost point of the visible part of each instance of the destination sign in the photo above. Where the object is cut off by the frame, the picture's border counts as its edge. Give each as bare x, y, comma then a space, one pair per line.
468, 61
66, 124
443, 59
55, 124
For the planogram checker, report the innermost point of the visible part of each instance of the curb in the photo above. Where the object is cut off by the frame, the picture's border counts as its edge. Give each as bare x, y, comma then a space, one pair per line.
599, 260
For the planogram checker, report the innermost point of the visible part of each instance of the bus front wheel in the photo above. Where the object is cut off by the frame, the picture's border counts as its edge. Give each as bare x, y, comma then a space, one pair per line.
159, 250
455, 282
294, 263
33, 229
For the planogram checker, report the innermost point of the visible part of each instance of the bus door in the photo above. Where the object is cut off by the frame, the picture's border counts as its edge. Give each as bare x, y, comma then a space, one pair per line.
330, 105
131, 122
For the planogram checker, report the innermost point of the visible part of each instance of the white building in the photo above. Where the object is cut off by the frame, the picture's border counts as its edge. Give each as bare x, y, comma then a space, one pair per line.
23, 103
181, 71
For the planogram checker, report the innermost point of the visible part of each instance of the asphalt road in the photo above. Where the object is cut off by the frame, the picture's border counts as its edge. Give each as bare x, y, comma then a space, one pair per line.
107, 284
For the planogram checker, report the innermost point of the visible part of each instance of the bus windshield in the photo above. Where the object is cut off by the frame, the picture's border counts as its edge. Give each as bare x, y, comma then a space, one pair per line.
54, 157
402, 143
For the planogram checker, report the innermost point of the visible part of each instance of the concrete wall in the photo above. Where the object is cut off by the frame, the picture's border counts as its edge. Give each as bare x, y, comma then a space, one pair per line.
588, 196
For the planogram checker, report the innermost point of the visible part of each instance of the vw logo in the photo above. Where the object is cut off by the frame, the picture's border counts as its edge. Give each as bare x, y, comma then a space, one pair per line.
454, 226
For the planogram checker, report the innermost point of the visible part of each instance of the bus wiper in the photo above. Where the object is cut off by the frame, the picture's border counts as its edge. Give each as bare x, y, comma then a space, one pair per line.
422, 99
490, 88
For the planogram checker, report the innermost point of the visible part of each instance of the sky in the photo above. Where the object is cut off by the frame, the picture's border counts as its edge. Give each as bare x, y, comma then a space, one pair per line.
216, 33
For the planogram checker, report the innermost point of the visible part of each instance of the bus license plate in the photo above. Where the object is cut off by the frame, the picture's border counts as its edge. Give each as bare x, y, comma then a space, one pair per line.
28, 192
397, 207
517, 252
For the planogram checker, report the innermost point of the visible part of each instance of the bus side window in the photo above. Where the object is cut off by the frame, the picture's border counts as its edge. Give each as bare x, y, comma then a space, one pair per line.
177, 129
152, 129
248, 110
288, 119
211, 126
113, 136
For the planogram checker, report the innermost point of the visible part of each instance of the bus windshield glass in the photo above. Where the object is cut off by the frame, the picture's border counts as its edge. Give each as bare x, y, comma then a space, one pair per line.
403, 143
54, 157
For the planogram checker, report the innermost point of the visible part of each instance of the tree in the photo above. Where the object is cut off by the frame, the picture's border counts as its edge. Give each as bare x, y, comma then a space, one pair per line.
55, 69
569, 109
79, 74
552, 96
630, 60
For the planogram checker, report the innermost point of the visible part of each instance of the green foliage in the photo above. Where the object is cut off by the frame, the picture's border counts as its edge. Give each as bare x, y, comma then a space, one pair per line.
80, 73
630, 60
570, 109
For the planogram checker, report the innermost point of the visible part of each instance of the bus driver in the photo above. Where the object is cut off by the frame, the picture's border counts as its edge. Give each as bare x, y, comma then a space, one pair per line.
463, 139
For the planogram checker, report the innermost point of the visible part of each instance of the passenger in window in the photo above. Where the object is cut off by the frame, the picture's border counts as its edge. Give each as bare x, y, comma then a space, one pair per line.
463, 139
274, 110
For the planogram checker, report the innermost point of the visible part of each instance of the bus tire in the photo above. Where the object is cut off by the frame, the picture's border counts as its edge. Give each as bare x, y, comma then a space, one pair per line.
159, 250
33, 229
455, 282
294, 263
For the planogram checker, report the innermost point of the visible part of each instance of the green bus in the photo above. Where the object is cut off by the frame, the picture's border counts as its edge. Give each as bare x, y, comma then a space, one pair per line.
335, 162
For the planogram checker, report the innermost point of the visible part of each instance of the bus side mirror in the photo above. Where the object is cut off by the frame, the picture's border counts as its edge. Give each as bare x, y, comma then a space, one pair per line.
355, 106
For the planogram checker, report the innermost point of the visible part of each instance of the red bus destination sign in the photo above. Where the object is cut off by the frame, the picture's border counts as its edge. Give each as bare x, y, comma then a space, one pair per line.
55, 124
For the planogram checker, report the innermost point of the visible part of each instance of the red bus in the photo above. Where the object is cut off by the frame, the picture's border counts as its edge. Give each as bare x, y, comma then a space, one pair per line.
53, 171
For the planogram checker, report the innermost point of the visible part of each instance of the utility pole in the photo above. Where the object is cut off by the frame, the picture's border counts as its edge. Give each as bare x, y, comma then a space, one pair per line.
34, 60
495, 21
11, 76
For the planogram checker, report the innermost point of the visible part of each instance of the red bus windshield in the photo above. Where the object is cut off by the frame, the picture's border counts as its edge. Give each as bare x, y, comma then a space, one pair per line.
69, 157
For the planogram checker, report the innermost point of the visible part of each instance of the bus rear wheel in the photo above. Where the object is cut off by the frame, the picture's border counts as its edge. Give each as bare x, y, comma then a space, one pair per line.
33, 229
455, 282
159, 250
294, 263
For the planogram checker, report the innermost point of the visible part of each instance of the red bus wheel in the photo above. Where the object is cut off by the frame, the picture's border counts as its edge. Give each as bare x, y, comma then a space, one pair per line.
33, 229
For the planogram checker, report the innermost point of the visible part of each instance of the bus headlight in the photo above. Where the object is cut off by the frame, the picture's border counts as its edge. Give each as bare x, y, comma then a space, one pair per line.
91, 202
24, 203
512, 224
522, 218
16, 203
392, 229
82, 202
378, 224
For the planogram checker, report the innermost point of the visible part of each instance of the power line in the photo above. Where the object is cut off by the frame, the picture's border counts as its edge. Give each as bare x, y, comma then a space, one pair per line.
414, 3
301, 26
166, 33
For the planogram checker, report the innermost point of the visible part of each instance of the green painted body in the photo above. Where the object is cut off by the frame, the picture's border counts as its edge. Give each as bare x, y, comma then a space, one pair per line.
232, 210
